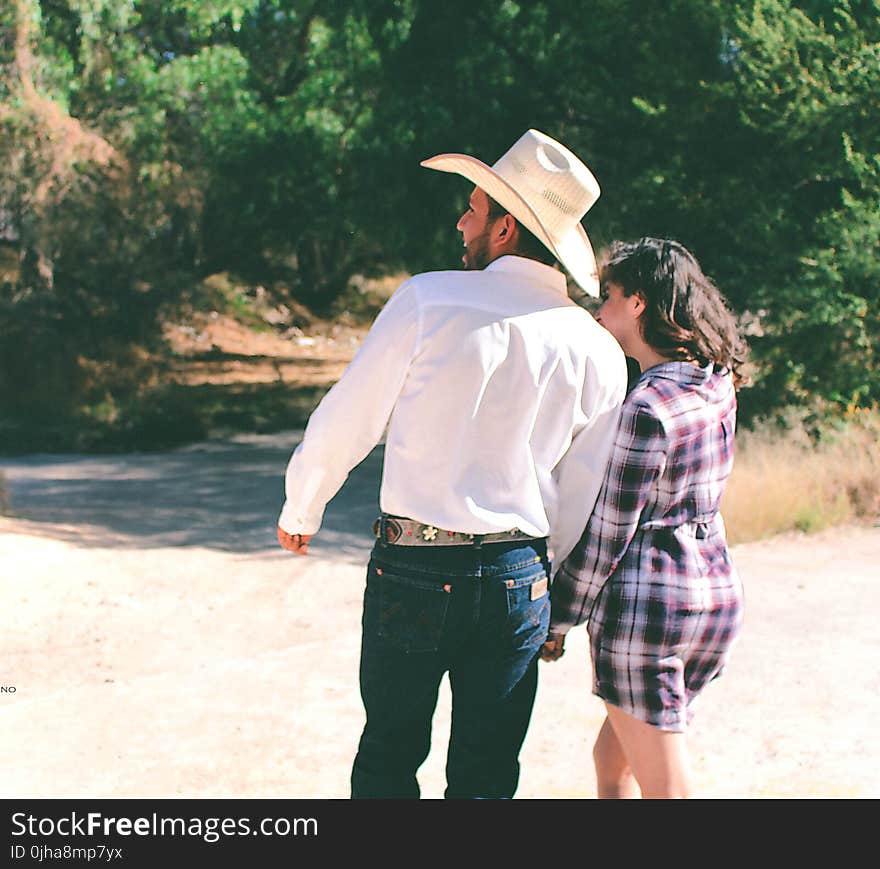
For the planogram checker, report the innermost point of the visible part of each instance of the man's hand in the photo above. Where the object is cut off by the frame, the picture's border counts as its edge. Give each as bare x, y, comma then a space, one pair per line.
554, 648
296, 543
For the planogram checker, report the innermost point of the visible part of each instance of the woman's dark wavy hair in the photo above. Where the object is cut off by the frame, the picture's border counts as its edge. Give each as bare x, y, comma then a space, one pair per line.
686, 316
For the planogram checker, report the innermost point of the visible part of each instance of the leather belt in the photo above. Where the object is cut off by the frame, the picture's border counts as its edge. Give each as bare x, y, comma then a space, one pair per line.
400, 531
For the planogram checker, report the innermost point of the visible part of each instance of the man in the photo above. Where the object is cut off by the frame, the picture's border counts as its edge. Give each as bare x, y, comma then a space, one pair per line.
501, 398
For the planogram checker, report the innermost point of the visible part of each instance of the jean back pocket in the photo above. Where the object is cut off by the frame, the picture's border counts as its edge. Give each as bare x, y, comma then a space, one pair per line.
528, 609
412, 611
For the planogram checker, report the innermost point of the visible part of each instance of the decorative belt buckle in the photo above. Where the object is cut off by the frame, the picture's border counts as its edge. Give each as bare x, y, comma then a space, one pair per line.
392, 529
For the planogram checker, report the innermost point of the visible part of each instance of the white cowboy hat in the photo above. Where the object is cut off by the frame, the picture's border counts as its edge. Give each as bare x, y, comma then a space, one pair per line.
545, 187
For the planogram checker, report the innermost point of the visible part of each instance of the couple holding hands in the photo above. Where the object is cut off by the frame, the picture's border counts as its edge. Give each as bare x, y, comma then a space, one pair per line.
512, 445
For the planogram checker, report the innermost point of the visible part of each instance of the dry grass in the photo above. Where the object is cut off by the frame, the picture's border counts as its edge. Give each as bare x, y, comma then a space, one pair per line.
784, 479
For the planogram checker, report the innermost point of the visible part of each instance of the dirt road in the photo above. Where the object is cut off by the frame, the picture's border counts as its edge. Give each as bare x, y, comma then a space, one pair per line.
160, 645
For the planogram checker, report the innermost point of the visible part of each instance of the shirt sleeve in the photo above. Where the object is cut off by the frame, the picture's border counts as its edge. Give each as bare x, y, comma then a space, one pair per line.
579, 473
638, 459
352, 416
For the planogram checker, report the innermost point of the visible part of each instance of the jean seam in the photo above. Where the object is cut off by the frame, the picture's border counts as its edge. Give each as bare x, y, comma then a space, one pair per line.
387, 559
510, 568
391, 565
522, 581
415, 581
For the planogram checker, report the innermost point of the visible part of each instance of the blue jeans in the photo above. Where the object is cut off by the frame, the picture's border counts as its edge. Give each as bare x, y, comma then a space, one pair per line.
479, 612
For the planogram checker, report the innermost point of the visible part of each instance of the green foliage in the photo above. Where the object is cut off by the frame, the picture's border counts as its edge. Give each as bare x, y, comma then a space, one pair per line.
146, 144
807, 87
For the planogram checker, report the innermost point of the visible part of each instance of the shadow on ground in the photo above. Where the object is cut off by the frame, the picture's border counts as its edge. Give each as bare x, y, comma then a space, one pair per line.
218, 495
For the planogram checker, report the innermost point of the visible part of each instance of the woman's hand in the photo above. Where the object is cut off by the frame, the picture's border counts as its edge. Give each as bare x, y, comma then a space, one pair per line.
554, 647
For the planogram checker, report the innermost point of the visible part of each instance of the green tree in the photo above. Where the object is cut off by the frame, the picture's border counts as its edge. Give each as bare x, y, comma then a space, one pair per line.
808, 85
145, 144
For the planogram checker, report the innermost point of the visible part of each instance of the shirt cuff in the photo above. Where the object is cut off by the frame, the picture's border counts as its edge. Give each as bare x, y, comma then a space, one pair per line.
294, 521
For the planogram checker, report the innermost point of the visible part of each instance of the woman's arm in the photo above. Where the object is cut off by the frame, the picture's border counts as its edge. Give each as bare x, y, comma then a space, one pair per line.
637, 461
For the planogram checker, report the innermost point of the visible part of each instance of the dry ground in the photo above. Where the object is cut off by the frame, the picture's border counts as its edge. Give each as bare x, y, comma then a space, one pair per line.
214, 348
160, 645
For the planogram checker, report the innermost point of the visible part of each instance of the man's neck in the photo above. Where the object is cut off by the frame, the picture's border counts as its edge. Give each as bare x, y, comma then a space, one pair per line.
522, 256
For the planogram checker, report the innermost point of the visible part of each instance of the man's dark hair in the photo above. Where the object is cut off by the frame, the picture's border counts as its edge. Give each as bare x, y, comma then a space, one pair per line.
528, 245
686, 316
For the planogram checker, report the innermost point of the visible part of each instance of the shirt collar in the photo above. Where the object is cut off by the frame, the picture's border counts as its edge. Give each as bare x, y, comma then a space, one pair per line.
532, 269
680, 371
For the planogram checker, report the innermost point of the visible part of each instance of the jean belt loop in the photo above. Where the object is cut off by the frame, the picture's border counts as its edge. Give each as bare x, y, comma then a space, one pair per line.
383, 535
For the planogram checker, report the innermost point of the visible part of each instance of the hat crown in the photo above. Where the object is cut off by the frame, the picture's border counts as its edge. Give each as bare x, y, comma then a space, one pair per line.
554, 182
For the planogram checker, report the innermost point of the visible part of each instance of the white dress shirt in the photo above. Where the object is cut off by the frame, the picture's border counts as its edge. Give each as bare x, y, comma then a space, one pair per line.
501, 398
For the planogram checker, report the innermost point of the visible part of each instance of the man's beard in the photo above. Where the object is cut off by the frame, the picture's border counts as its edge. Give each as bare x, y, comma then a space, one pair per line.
476, 254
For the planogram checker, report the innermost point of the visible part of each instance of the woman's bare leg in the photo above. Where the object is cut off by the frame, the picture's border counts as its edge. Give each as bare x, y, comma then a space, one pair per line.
658, 758
614, 778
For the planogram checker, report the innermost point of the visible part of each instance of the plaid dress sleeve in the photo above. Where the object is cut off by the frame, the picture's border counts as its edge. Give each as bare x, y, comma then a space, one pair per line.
637, 461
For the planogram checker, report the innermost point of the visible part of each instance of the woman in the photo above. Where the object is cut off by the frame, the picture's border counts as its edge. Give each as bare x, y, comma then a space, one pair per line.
651, 574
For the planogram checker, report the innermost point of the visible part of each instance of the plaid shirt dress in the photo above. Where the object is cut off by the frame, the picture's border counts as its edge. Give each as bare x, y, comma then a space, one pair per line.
651, 574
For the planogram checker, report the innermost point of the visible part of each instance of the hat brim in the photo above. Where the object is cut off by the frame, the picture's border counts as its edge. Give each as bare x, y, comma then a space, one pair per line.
573, 249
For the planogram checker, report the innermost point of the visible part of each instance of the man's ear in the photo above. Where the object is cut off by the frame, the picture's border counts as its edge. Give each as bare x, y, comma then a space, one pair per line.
506, 231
